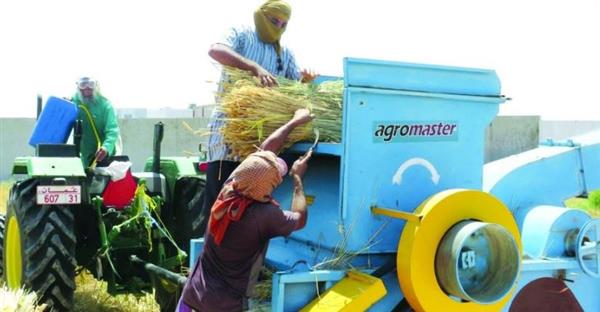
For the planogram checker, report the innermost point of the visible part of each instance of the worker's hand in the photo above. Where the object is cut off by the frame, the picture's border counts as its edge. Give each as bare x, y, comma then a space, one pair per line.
308, 75
101, 154
266, 79
300, 165
302, 116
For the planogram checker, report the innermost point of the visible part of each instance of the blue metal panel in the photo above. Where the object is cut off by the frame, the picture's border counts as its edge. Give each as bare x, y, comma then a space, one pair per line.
590, 157
543, 176
196, 246
321, 183
335, 149
322, 78
393, 296
397, 149
588, 146
403, 171
420, 77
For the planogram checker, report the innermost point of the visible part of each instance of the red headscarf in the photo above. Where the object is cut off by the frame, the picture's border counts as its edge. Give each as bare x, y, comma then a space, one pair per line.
253, 181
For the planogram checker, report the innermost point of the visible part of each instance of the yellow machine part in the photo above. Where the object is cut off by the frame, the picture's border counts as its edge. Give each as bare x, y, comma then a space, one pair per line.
419, 242
13, 260
355, 292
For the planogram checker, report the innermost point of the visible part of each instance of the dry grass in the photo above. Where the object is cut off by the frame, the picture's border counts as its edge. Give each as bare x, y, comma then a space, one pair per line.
91, 296
254, 112
19, 300
4, 188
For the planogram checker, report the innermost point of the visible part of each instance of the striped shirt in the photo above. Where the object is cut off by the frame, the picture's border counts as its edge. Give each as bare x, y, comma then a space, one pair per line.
245, 41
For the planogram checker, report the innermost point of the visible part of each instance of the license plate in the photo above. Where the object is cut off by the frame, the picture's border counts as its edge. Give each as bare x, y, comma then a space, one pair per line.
58, 194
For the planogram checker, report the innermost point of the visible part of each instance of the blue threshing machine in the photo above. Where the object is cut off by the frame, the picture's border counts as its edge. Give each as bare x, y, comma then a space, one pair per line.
404, 214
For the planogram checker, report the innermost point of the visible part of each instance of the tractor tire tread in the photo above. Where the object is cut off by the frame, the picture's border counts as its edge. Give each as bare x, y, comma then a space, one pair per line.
48, 246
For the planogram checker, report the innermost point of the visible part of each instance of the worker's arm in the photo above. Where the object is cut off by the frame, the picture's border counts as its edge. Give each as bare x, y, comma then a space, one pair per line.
299, 200
228, 57
276, 140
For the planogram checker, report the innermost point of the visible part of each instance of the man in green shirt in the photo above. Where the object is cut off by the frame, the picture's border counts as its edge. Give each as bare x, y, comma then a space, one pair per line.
100, 129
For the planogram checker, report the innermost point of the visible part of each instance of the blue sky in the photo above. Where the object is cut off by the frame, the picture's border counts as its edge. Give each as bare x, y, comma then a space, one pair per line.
154, 53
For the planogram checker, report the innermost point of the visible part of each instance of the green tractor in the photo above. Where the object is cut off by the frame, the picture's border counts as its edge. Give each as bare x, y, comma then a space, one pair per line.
57, 223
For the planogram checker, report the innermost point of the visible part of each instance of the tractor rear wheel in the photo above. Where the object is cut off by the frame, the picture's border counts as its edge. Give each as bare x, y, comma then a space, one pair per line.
1, 243
40, 247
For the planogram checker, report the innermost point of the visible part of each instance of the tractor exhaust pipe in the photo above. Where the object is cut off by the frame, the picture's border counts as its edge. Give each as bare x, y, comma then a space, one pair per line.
77, 130
160, 272
39, 106
158, 136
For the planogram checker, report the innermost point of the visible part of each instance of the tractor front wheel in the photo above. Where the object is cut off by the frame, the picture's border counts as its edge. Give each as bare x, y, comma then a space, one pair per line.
39, 247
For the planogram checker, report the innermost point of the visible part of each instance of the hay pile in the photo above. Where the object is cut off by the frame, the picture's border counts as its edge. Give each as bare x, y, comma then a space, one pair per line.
254, 112
91, 295
18, 300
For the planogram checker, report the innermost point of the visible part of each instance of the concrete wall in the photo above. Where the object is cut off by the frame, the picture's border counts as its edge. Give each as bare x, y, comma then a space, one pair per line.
136, 137
204, 111
563, 129
507, 135
14, 135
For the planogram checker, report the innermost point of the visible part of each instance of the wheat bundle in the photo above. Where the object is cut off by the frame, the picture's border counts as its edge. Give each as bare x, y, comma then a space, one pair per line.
253, 112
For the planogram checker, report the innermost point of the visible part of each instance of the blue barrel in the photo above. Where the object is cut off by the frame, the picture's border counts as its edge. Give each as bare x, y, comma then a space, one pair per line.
55, 122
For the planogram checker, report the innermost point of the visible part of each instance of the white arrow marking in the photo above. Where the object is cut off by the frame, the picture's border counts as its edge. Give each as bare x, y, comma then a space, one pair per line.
435, 176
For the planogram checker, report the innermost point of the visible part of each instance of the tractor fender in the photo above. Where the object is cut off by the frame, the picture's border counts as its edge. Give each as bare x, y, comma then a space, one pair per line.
48, 167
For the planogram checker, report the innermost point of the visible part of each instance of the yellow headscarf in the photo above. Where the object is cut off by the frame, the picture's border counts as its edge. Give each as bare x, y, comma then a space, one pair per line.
267, 32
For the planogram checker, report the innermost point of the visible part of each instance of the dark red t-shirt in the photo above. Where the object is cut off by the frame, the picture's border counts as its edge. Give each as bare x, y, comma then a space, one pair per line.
222, 274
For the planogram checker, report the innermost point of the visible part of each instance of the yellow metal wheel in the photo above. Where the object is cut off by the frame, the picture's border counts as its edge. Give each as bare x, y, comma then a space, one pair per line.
14, 260
419, 242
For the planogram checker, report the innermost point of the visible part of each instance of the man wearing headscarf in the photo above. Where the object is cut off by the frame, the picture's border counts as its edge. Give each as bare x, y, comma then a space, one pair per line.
100, 129
259, 51
242, 221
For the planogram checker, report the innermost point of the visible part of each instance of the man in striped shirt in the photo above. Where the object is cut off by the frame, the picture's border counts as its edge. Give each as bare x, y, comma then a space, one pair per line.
259, 52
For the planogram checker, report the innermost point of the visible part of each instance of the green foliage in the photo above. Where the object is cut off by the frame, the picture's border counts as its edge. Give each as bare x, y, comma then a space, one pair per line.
589, 205
594, 199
